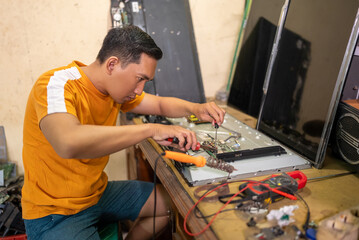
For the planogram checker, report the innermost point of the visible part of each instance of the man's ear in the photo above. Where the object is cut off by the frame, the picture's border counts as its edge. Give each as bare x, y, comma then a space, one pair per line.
111, 62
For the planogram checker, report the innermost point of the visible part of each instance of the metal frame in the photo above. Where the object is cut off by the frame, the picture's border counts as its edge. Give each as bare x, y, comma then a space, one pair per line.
278, 34
319, 160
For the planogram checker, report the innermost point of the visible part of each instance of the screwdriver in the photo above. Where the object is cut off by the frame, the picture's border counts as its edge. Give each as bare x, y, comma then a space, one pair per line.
215, 137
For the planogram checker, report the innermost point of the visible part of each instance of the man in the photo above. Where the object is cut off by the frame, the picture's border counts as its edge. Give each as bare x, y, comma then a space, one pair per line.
69, 131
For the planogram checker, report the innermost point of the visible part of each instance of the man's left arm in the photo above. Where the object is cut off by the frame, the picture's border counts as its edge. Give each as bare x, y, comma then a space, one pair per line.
175, 107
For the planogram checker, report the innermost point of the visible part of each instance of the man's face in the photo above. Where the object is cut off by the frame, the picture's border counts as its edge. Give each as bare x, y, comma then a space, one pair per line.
125, 83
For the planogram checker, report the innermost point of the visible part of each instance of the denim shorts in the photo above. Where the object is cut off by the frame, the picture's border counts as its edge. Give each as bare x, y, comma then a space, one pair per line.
121, 200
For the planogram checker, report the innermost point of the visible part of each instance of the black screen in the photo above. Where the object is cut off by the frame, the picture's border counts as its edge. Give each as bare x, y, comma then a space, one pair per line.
246, 89
303, 79
310, 53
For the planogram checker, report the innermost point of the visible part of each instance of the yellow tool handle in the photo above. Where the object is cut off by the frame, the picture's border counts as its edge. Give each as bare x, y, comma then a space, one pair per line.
199, 161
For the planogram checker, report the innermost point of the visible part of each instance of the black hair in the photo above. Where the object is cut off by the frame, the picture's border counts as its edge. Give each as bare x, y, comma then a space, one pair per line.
128, 43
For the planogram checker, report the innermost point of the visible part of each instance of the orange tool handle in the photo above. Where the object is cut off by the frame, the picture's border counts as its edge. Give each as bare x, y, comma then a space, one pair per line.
199, 161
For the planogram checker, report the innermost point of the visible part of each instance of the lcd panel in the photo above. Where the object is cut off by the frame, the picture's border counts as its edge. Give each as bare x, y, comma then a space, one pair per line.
305, 72
251, 67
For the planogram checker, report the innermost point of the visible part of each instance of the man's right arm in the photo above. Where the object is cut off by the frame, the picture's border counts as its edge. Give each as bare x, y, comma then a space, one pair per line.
71, 139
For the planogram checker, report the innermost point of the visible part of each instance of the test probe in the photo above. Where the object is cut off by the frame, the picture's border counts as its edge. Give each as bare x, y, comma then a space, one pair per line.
276, 187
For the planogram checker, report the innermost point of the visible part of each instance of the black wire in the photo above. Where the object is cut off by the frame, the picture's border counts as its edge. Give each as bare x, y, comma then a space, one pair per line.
207, 216
310, 180
196, 210
155, 200
306, 223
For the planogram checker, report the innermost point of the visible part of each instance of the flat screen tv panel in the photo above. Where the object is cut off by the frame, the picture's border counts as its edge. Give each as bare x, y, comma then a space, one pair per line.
252, 62
316, 43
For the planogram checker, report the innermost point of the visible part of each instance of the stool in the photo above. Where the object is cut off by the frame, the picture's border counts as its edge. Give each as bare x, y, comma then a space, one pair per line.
110, 232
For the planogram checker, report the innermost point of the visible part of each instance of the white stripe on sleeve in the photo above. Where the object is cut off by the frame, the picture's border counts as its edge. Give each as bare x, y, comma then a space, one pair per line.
55, 89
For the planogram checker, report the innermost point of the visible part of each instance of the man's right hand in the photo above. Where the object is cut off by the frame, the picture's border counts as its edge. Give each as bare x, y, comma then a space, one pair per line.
71, 139
163, 132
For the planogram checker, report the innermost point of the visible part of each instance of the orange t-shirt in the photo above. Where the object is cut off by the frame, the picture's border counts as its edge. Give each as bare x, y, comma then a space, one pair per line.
54, 185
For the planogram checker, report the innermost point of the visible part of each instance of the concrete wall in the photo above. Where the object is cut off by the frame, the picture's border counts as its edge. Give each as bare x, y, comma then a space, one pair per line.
39, 35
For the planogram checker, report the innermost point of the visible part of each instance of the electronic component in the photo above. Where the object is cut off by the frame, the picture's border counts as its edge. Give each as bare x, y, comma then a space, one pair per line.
276, 187
193, 119
251, 153
156, 119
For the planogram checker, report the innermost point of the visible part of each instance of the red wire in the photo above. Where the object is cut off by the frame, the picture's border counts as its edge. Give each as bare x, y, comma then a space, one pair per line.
225, 205
210, 223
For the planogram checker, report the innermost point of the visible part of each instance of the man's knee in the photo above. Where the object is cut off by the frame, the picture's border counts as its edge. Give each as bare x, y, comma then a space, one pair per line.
161, 200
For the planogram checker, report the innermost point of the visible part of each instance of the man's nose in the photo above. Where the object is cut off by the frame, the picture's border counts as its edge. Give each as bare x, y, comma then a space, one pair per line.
139, 88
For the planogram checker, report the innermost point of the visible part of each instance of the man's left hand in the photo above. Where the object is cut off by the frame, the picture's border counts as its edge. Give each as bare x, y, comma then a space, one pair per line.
210, 112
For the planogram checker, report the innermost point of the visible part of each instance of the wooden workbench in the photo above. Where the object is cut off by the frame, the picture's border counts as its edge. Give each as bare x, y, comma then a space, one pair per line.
325, 197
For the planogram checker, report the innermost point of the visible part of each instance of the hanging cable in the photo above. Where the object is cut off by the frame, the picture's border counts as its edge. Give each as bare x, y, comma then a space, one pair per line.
155, 196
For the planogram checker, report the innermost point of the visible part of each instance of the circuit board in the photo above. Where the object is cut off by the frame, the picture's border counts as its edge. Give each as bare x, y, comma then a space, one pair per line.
249, 151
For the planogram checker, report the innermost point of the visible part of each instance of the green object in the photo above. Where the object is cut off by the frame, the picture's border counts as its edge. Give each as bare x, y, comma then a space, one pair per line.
110, 232
236, 52
285, 217
8, 168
